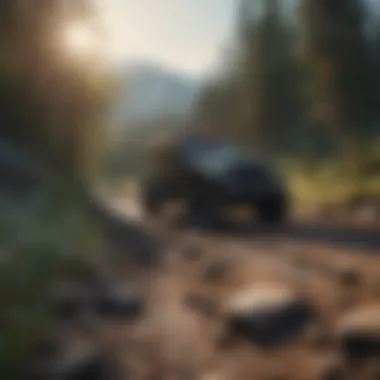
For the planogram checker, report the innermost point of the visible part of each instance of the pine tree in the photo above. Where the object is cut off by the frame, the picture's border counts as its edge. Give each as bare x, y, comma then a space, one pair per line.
51, 101
267, 73
339, 71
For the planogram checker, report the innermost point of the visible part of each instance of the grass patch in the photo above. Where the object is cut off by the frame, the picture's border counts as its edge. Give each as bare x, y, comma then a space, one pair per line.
328, 185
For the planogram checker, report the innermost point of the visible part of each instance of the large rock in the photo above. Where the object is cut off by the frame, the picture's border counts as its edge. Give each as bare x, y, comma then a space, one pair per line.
358, 333
268, 315
120, 303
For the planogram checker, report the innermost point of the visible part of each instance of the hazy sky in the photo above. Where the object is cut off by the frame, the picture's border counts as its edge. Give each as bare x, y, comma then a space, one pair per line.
183, 34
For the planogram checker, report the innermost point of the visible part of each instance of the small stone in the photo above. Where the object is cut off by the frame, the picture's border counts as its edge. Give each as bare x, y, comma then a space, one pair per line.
359, 333
350, 277
268, 315
130, 309
216, 271
120, 303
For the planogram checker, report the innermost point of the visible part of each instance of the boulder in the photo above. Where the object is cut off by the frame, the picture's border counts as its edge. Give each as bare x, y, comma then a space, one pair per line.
358, 333
123, 303
268, 315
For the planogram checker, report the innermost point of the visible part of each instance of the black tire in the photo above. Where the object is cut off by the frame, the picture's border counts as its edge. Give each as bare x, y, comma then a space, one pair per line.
204, 211
154, 196
273, 211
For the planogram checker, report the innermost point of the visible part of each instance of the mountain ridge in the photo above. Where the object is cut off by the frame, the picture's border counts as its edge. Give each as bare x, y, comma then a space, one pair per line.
151, 91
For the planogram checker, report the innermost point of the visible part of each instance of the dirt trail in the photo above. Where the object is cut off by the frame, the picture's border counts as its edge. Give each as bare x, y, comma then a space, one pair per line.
184, 332
350, 235
336, 266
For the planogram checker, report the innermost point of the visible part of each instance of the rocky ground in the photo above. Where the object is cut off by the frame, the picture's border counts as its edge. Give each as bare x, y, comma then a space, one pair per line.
297, 303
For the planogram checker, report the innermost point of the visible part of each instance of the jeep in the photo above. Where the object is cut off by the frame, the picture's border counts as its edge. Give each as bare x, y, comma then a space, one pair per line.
210, 176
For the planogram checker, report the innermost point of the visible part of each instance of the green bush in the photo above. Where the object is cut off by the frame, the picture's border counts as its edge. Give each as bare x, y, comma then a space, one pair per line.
42, 238
329, 183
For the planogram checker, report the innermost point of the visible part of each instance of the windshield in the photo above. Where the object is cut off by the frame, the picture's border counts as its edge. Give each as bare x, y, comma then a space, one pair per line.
212, 157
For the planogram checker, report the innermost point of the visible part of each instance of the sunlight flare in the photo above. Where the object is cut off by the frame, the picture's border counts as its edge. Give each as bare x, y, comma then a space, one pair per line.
79, 39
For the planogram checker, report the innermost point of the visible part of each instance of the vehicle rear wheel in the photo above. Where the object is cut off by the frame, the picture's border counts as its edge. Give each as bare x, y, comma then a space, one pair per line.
204, 213
154, 197
273, 210
161, 204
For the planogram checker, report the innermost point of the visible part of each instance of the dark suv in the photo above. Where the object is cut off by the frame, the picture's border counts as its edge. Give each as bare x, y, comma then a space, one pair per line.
211, 175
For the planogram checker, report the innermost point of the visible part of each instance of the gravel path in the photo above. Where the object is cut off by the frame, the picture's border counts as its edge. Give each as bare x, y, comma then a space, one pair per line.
296, 303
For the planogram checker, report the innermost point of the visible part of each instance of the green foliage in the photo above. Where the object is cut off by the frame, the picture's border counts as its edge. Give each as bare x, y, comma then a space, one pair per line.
52, 106
321, 182
257, 101
270, 68
305, 84
42, 240
338, 63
